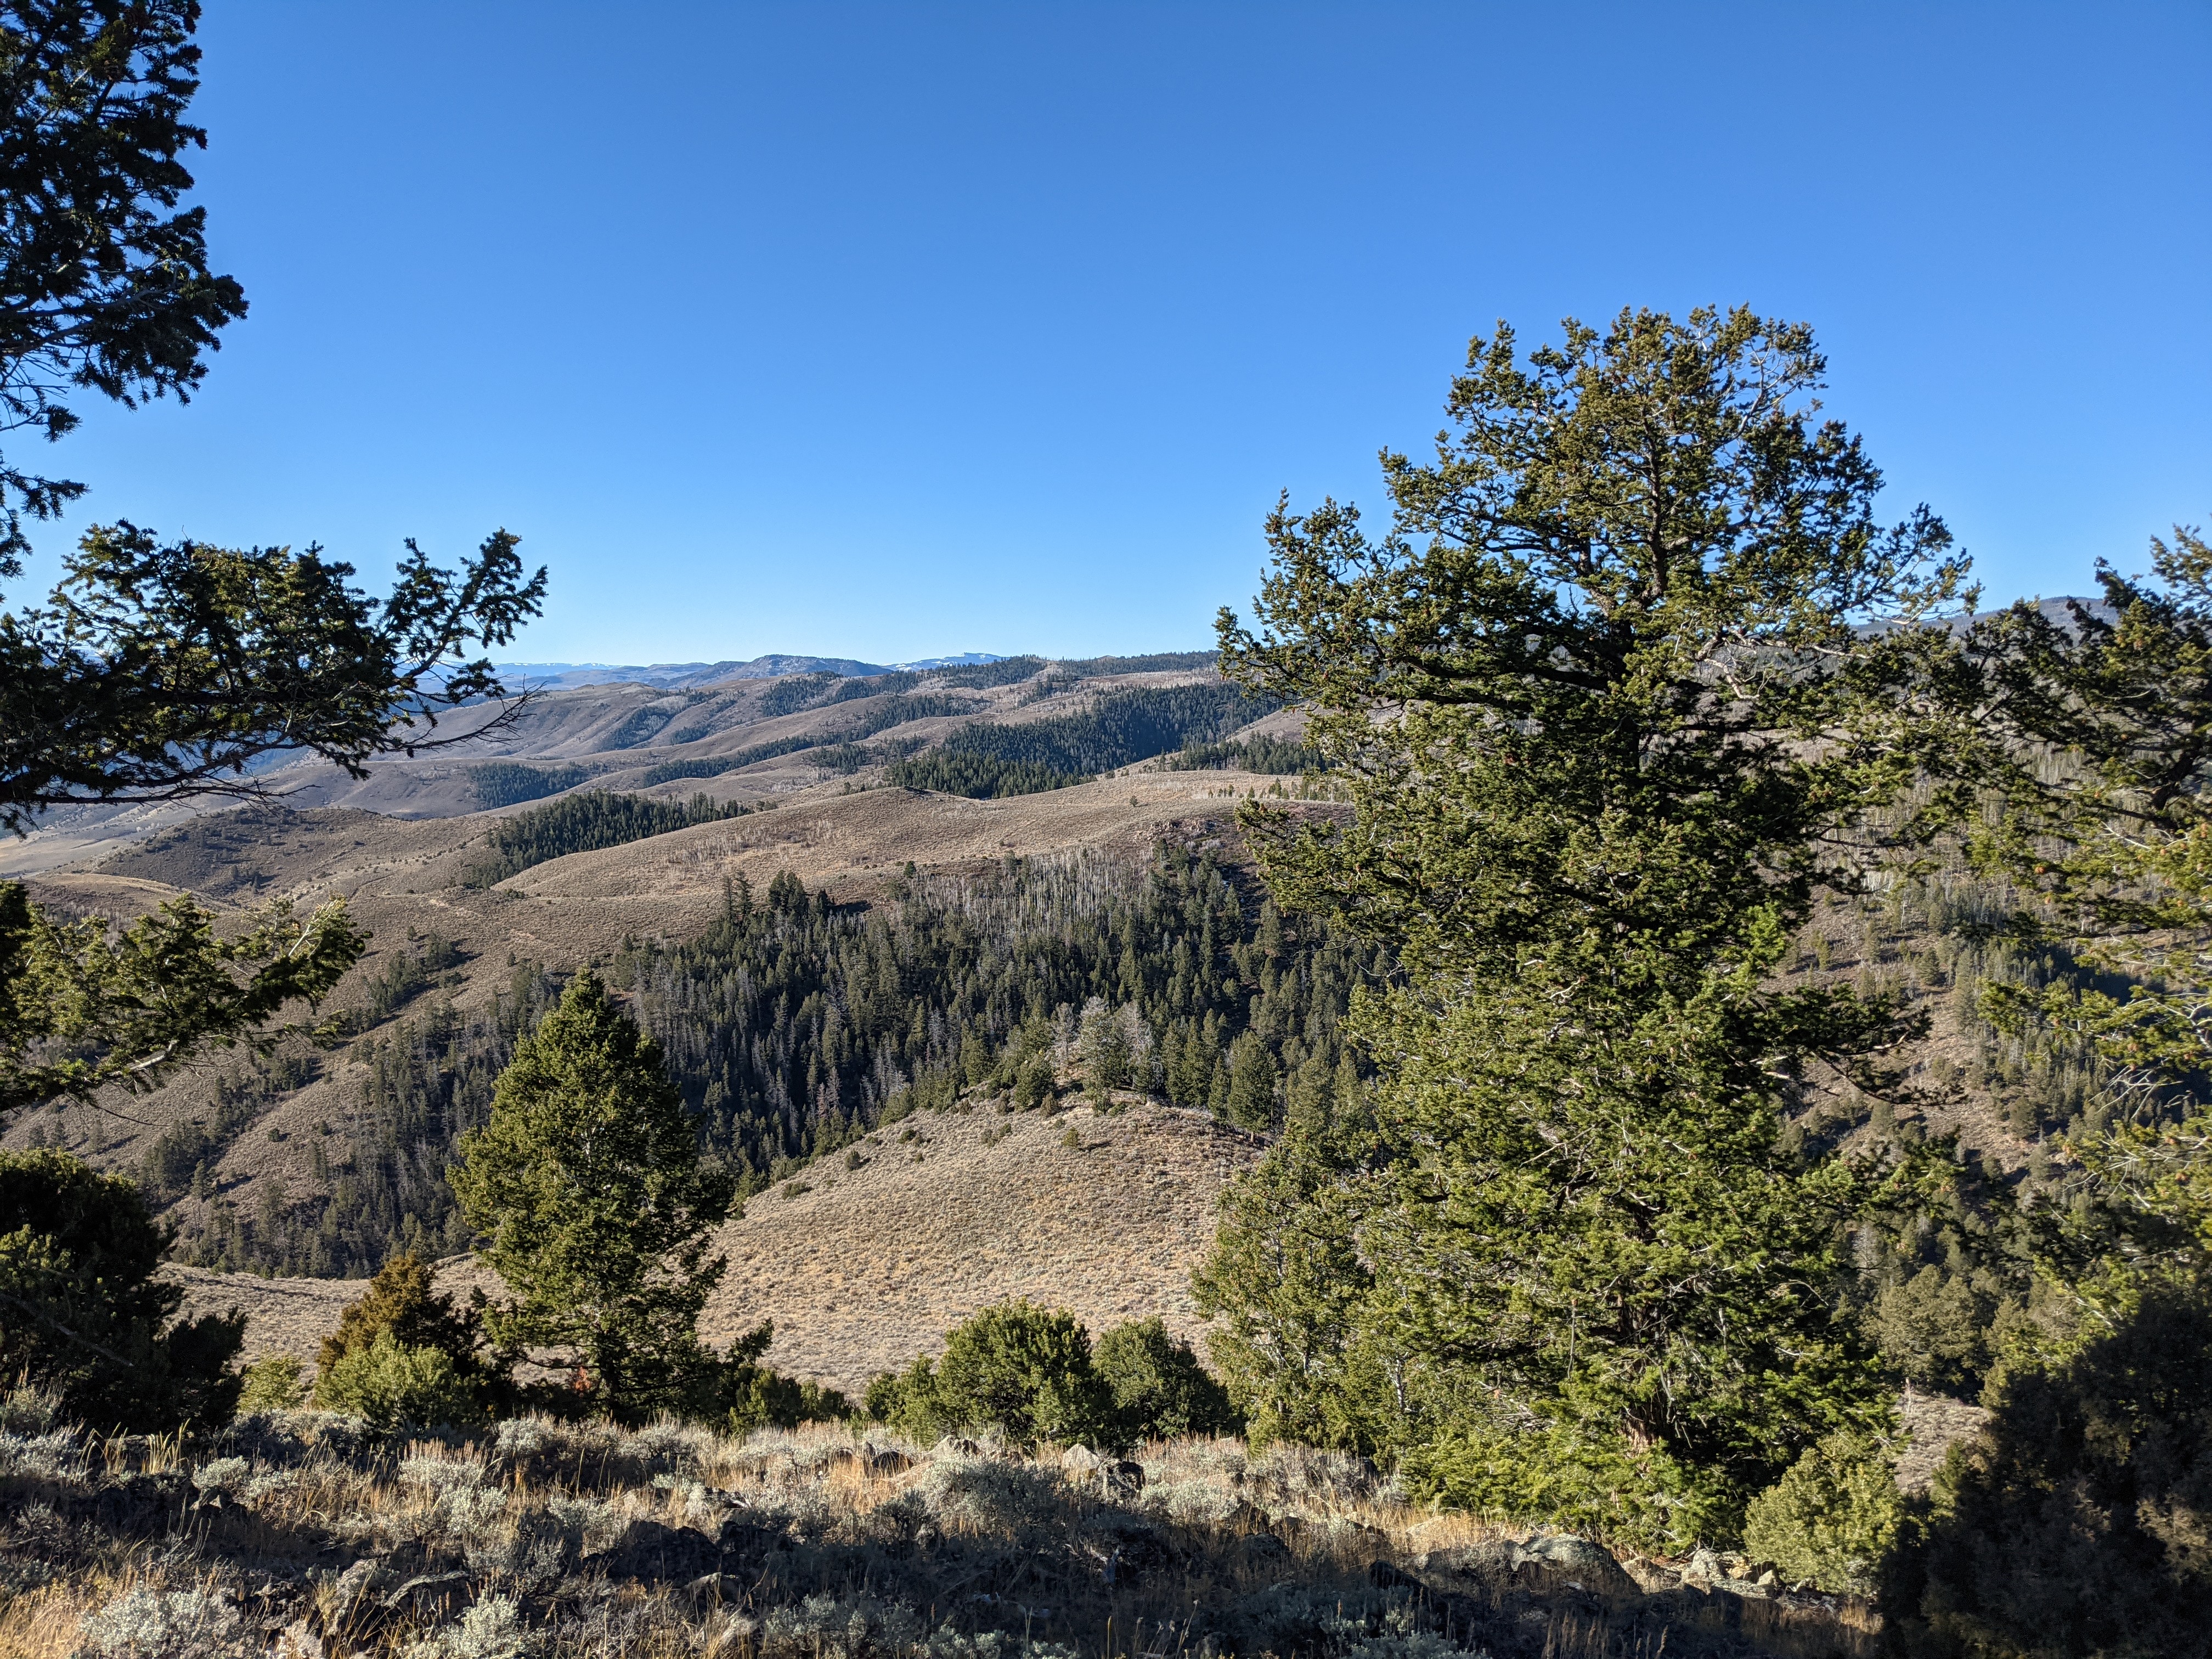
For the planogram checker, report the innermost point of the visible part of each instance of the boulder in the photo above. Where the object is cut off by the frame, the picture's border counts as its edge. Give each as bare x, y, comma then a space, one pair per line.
1121, 1480
1579, 1561
655, 1553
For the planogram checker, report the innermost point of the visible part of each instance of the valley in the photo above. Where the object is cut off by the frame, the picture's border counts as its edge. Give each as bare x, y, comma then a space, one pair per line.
866, 1267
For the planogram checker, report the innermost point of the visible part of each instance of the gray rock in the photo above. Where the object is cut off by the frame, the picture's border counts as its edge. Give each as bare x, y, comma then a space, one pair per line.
433, 1598
1486, 1562
350, 1587
1577, 1561
1705, 1567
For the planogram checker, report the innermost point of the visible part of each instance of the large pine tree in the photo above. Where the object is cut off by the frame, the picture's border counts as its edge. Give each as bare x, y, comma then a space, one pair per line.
595, 1206
1611, 720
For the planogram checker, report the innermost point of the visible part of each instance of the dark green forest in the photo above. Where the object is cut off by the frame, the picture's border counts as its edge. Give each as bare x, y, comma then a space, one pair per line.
794, 1026
980, 777
983, 676
1260, 754
1157, 662
508, 783
1118, 730
585, 823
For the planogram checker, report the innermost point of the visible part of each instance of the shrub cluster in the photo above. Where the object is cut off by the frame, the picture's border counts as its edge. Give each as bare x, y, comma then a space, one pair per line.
405, 1354
1032, 1376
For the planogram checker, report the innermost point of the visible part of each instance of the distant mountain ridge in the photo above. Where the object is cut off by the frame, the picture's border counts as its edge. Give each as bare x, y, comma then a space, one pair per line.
682, 675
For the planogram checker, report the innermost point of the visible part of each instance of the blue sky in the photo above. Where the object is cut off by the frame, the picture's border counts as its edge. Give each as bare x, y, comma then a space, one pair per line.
893, 331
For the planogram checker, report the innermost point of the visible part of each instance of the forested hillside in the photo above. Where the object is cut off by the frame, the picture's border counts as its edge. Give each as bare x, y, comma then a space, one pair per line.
1118, 730
795, 1025
585, 823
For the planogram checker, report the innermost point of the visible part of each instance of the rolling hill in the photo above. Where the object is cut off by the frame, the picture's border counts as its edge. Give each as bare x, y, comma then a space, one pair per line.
871, 1263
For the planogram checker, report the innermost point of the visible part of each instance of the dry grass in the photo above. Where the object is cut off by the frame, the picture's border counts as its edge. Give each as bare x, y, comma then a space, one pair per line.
283, 1316
301, 1533
873, 1265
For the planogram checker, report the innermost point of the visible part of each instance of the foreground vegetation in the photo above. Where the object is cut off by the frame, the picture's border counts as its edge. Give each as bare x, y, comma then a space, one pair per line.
306, 1531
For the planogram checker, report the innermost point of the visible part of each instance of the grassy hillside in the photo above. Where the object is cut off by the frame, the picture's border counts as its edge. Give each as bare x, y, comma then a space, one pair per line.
748, 739
863, 1261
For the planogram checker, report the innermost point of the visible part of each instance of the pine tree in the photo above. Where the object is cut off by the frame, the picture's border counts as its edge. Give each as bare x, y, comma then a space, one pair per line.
1606, 715
595, 1207
1251, 1084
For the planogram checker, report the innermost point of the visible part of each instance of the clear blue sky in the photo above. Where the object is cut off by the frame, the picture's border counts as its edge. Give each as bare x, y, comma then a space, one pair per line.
890, 331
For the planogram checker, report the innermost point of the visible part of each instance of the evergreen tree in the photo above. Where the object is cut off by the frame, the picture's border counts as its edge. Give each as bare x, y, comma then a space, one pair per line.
1159, 1390
1251, 1085
401, 1306
595, 1207
2075, 1522
1101, 1049
81, 1313
1609, 721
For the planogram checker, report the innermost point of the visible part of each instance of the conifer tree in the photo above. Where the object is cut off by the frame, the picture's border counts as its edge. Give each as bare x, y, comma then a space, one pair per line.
2075, 1522
595, 1206
1609, 719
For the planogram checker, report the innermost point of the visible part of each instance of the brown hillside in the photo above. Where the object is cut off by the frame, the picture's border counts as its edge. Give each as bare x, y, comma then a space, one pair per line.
854, 843
870, 1266
874, 1264
403, 881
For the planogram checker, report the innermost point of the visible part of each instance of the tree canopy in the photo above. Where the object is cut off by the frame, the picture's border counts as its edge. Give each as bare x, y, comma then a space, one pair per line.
159, 671
104, 278
1610, 716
